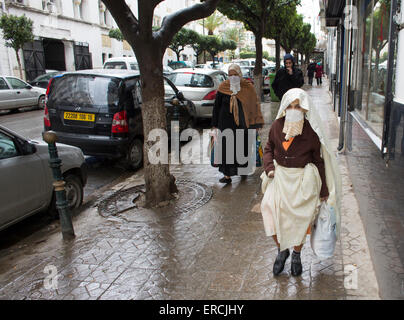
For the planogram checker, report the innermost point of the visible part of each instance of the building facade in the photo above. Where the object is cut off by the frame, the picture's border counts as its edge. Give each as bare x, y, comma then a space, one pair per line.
73, 35
365, 65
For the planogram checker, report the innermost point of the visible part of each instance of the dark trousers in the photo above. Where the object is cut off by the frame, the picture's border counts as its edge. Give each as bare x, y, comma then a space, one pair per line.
319, 81
311, 81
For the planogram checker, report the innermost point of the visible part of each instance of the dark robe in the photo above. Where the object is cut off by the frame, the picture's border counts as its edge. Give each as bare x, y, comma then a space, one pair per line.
223, 119
304, 149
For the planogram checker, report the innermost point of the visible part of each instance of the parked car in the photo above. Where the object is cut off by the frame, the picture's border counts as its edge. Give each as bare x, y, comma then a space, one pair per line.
167, 70
248, 73
199, 86
200, 66
125, 63
217, 65
26, 181
43, 80
266, 86
180, 64
99, 111
16, 93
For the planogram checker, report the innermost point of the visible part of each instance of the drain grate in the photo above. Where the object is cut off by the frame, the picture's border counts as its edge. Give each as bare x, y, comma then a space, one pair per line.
191, 196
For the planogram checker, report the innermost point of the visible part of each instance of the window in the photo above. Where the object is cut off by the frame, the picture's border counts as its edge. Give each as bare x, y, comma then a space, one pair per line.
134, 66
16, 83
191, 80
3, 84
7, 147
374, 75
220, 77
90, 91
115, 65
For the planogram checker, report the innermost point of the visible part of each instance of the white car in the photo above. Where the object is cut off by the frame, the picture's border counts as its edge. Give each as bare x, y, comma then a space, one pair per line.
198, 85
16, 93
26, 180
126, 63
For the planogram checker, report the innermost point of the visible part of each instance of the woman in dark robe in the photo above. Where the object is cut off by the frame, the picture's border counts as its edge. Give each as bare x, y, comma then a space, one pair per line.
236, 108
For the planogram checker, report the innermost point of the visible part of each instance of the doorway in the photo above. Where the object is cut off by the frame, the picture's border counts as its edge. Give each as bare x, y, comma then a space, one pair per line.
54, 51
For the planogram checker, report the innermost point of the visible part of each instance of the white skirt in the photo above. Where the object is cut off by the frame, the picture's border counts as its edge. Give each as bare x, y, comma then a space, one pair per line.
290, 204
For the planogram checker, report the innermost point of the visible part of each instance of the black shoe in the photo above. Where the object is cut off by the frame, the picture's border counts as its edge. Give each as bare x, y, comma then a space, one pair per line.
225, 180
296, 267
280, 261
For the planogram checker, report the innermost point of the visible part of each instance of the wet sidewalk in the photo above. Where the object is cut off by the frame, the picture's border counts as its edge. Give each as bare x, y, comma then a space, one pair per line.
212, 245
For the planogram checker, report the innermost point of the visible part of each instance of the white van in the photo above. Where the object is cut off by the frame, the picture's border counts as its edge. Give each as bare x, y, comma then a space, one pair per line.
129, 63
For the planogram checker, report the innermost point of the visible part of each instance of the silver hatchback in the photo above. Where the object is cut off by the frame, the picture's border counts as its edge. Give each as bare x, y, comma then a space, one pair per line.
198, 85
26, 178
16, 93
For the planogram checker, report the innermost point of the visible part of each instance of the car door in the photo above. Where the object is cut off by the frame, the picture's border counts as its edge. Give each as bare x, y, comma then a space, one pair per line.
21, 181
7, 95
24, 97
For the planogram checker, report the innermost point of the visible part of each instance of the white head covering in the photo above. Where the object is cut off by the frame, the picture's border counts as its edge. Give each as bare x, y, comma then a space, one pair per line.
332, 173
235, 81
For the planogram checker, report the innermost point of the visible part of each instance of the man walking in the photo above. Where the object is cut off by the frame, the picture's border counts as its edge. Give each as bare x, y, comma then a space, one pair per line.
311, 69
287, 77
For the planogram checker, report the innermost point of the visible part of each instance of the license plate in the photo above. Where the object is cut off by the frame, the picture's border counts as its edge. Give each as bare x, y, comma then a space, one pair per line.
79, 116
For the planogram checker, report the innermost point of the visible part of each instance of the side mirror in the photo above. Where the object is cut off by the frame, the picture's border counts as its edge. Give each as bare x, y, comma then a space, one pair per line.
28, 86
180, 96
28, 148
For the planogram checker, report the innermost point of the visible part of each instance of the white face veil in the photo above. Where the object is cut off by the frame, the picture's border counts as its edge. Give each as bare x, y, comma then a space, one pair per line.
333, 176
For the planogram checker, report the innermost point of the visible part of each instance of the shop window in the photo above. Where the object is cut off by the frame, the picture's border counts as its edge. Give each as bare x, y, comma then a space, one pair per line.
374, 75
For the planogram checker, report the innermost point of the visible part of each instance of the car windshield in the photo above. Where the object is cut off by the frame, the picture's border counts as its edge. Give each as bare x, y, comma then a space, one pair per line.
189, 79
115, 65
45, 76
243, 63
85, 90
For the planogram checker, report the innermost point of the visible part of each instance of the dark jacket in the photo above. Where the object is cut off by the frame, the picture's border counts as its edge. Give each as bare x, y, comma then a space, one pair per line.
284, 81
304, 149
311, 69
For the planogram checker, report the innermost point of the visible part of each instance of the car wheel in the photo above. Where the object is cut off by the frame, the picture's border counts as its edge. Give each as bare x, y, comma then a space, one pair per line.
134, 157
41, 102
74, 191
74, 195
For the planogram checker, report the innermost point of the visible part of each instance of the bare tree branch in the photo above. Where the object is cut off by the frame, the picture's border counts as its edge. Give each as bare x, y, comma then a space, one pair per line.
118, 8
174, 22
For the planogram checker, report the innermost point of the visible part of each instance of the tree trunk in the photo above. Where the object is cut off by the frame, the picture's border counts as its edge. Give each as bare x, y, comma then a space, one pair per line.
277, 53
258, 63
19, 63
159, 183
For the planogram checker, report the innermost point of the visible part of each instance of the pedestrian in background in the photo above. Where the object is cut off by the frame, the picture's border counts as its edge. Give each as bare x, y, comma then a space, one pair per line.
319, 73
287, 77
311, 69
236, 107
305, 173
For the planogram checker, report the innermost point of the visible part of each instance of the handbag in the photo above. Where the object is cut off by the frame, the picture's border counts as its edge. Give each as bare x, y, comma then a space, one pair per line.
211, 150
259, 153
323, 232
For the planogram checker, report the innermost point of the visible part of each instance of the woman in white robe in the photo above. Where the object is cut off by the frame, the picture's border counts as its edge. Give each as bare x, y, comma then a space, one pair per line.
304, 171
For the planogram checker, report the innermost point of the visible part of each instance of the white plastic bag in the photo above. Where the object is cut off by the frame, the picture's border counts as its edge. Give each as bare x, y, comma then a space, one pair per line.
323, 232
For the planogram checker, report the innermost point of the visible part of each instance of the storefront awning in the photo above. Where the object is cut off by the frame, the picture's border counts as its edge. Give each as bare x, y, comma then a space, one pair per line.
331, 11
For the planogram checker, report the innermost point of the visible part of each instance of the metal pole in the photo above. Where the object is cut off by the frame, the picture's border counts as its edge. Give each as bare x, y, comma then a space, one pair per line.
344, 100
388, 146
62, 205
